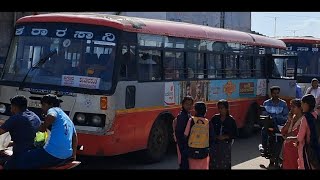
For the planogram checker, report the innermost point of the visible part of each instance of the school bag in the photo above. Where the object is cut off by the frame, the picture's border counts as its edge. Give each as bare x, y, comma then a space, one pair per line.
198, 141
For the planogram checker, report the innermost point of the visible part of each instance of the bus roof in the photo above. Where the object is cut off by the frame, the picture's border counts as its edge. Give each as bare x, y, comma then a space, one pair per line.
304, 40
159, 27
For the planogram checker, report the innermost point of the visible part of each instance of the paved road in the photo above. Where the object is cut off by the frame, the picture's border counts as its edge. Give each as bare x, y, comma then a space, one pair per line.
245, 155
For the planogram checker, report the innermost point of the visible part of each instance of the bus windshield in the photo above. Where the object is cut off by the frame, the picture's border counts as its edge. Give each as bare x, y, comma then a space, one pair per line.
283, 67
84, 57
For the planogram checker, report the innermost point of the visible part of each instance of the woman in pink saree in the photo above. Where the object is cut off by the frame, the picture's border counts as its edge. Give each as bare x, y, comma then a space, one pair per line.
291, 129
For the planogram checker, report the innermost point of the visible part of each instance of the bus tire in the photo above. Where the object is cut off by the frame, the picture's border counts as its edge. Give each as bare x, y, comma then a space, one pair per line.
158, 142
251, 117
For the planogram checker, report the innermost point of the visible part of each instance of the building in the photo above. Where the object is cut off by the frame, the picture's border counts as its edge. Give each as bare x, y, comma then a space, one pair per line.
7, 22
230, 20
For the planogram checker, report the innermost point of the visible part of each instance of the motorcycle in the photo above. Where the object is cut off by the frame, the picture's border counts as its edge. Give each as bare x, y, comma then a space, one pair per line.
273, 151
6, 152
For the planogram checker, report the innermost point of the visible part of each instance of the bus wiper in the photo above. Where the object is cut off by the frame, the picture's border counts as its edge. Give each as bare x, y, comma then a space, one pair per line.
37, 65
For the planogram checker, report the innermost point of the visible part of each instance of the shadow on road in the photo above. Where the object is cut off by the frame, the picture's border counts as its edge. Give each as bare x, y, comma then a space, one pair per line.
133, 160
243, 150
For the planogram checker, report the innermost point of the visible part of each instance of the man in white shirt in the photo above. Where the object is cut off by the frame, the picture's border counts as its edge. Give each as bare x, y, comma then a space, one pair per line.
314, 90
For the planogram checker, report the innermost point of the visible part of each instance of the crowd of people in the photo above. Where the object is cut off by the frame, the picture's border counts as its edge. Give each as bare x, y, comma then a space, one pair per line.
201, 143
298, 128
295, 130
24, 125
221, 131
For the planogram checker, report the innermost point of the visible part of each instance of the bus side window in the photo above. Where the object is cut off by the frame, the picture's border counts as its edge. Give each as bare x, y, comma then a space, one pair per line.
149, 65
128, 63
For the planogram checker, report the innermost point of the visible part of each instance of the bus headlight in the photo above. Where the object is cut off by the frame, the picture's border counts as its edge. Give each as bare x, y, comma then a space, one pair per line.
96, 120
3, 108
81, 118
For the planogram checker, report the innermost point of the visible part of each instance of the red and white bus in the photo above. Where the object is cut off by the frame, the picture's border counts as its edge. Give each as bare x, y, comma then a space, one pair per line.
122, 79
307, 50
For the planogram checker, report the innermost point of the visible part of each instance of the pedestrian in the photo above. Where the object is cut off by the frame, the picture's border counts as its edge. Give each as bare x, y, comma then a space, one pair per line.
200, 134
179, 126
289, 130
225, 129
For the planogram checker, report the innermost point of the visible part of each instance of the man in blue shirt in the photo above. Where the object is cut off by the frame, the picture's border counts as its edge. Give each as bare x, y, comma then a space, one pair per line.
62, 142
22, 126
278, 110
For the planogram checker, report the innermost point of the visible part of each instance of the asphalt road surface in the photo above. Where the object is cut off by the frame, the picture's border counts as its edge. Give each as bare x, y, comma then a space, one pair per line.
245, 155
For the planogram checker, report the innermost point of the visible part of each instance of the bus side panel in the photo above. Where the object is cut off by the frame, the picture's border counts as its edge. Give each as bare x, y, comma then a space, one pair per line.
122, 138
131, 128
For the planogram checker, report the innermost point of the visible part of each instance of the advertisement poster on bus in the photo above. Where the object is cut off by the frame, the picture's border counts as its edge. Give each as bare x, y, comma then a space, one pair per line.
80, 81
261, 87
232, 89
169, 95
196, 89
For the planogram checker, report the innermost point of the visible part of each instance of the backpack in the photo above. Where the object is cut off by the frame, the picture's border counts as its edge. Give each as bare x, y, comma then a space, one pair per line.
198, 141
312, 149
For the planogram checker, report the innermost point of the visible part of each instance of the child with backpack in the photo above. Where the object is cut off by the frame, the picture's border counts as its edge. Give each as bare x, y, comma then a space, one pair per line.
225, 129
200, 135
179, 126
308, 136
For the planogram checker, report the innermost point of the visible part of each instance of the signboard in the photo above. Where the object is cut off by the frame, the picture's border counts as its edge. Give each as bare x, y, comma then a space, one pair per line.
80, 81
246, 88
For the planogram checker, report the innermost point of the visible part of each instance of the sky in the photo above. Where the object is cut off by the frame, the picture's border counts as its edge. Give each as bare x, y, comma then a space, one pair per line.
287, 23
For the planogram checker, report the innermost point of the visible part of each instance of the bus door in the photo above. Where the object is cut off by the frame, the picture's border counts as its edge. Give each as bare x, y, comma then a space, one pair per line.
282, 72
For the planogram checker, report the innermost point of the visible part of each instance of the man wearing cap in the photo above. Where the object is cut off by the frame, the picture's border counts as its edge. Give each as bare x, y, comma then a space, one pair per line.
314, 90
62, 141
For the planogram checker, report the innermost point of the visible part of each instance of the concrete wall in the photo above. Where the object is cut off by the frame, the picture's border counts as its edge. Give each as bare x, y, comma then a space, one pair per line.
232, 20
238, 21
150, 15
202, 18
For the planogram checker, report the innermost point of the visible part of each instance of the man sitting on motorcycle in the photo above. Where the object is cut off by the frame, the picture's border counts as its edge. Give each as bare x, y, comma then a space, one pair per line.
62, 141
22, 126
278, 110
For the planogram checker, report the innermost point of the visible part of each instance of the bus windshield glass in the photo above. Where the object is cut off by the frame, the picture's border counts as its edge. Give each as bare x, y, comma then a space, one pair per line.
283, 67
84, 55
309, 58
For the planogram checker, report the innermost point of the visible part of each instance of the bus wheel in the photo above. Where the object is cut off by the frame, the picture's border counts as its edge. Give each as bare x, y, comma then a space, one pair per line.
158, 142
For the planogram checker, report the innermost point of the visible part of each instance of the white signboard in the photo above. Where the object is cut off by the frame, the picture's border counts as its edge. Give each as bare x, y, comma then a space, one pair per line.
261, 87
80, 81
169, 94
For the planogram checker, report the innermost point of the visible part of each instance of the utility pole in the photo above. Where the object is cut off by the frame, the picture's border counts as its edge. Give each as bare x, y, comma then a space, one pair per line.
222, 19
294, 31
275, 24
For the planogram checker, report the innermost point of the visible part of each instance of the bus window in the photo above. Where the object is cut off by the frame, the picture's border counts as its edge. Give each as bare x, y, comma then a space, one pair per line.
128, 63
173, 65
149, 65
150, 40
195, 65
281, 68
214, 66
258, 67
231, 69
245, 66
